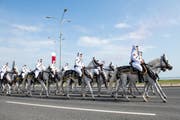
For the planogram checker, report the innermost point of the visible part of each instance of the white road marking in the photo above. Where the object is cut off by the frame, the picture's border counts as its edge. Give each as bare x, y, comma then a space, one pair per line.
81, 109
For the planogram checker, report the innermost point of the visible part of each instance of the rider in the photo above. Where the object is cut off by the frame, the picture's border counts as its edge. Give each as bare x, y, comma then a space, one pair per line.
25, 70
4, 69
39, 67
79, 65
102, 72
140, 57
136, 61
53, 68
66, 67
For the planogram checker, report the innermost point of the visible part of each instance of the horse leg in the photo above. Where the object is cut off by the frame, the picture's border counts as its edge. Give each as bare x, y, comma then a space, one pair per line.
90, 88
44, 87
57, 88
160, 88
24, 85
123, 84
130, 87
99, 86
75, 86
145, 91
29, 87
61, 87
152, 89
158, 91
18, 87
41, 92
9, 89
48, 86
117, 89
134, 84
83, 89
68, 88
110, 88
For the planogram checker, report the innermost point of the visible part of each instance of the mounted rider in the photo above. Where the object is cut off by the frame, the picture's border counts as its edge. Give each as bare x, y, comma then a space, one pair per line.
102, 72
53, 68
79, 65
25, 70
66, 67
137, 61
39, 67
4, 69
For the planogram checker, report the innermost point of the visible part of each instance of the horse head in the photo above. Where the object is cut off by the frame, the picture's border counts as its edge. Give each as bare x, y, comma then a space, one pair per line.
111, 67
164, 63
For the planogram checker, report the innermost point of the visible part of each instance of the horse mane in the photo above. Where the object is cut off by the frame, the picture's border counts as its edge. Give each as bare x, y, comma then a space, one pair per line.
154, 62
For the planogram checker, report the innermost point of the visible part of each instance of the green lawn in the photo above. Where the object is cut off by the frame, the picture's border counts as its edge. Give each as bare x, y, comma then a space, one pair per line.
175, 82
169, 81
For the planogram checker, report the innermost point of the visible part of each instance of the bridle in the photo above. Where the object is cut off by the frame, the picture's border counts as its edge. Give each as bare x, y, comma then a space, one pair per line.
166, 66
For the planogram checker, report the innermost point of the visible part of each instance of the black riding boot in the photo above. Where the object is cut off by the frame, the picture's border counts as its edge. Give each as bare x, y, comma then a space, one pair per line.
80, 80
140, 76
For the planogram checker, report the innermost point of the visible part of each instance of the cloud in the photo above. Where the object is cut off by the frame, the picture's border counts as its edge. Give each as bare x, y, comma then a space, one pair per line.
122, 25
80, 29
88, 41
26, 28
25, 51
140, 33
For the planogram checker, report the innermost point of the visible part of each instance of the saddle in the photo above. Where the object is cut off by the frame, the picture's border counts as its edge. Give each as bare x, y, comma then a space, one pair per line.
131, 69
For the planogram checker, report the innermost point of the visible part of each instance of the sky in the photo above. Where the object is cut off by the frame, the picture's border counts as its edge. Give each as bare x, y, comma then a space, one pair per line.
105, 29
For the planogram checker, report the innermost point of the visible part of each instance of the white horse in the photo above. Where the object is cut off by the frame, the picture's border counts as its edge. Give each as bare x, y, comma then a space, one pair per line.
9, 80
98, 73
156, 66
43, 78
125, 74
72, 75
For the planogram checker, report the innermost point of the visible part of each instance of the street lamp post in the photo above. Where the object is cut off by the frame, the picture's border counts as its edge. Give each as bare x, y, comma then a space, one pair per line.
62, 20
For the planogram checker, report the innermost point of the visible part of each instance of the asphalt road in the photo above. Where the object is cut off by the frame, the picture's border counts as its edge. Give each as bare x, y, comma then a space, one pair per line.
20, 107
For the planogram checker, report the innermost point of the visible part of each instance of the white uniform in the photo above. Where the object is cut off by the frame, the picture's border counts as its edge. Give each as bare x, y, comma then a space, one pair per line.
136, 63
4, 69
39, 68
78, 65
25, 70
53, 67
66, 67
140, 57
98, 69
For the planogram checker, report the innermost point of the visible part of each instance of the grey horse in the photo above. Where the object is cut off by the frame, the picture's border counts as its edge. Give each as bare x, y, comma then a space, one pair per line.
9, 80
99, 75
72, 75
125, 74
43, 78
157, 65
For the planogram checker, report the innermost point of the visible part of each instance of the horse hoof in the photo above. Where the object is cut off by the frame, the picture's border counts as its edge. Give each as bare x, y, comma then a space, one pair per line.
165, 101
115, 99
145, 100
68, 97
127, 100
134, 96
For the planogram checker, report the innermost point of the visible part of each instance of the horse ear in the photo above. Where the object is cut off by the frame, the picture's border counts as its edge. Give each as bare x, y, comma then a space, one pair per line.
110, 63
93, 58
